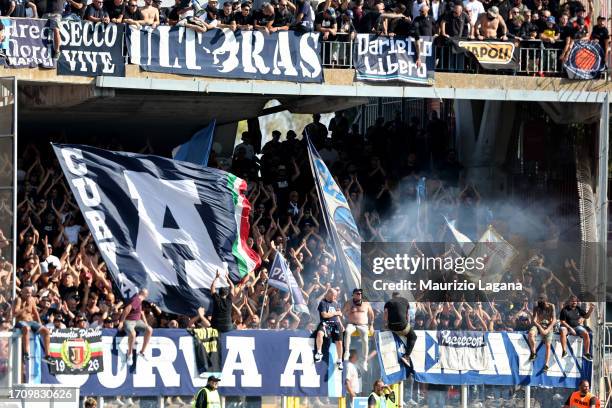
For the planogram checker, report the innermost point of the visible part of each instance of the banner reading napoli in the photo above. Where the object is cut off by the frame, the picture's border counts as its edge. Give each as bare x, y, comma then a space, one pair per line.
76, 351
281, 56
508, 362
339, 221
170, 368
462, 350
491, 54
394, 59
27, 43
585, 60
161, 224
91, 49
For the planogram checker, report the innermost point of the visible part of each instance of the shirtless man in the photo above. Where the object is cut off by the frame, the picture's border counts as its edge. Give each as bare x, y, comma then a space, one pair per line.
361, 319
487, 24
28, 319
150, 14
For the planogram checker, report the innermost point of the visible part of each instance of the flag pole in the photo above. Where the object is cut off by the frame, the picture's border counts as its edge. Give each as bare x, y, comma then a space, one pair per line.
263, 305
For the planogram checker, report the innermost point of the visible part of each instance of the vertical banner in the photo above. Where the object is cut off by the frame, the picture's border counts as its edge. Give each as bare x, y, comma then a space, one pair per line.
339, 221
28, 43
91, 49
394, 59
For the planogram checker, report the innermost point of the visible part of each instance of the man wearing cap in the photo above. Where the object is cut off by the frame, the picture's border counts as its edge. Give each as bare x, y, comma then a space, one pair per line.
551, 32
488, 23
361, 319
325, 23
600, 34
208, 397
150, 14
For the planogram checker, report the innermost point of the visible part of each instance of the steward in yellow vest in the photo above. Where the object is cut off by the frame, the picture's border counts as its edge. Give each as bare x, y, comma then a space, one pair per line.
382, 396
208, 397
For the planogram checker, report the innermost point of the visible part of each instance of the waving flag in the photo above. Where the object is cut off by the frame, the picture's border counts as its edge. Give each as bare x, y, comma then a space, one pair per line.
161, 224
197, 149
464, 242
338, 220
497, 254
282, 278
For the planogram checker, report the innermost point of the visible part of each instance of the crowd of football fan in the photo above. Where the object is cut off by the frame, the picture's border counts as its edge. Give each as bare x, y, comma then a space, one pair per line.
551, 23
62, 281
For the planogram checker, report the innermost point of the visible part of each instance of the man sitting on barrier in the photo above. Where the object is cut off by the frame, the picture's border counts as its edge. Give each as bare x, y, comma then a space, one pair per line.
396, 320
133, 319
28, 320
488, 25
543, 323
572, 322
361, 319
330, 326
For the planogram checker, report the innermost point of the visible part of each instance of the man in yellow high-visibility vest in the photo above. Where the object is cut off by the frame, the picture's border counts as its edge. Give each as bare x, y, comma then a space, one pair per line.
582, 398
208, 397
382, 396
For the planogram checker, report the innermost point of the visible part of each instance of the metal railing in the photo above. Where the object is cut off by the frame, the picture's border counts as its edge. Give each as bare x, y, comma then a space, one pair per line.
534, 58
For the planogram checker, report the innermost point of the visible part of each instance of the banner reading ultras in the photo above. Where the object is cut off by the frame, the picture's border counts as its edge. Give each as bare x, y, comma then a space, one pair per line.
489, 269
280, 56
394, 59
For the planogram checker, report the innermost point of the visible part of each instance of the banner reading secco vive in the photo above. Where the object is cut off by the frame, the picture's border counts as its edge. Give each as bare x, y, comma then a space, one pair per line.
170, 367
393, 59
280, 56
491, 54
27, 43
91, 49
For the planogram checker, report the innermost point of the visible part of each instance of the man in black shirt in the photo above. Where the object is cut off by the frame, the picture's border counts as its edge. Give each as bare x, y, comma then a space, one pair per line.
115, 10
325, 23
96, 13
75, 9
244, 19
226, 18
222, 305
264, 18
453, 24
330, 325
424, 23
283, 18
572, 320
132, 15
396, 319
600, 33
52, 10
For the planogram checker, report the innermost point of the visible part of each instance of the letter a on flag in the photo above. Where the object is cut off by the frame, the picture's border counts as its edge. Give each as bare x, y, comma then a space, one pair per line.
161, 224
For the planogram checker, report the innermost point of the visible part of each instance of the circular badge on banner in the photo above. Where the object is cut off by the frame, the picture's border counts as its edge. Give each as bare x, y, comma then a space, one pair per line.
76, 353
585, 60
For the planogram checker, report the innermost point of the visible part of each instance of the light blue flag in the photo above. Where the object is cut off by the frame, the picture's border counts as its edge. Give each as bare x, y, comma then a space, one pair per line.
339, 221
197, 149
282, 278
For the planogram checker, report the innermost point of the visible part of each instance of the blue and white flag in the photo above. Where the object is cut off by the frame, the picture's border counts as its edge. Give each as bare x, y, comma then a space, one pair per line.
197, 149
390, 348
161, 224
339, 221
281, 278
464, 242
